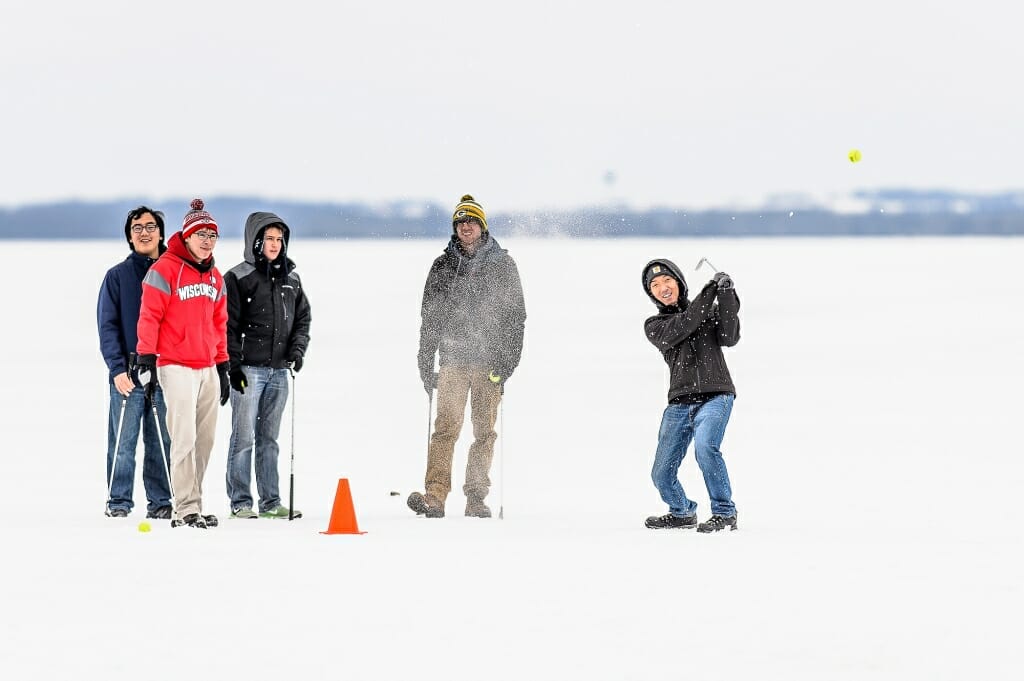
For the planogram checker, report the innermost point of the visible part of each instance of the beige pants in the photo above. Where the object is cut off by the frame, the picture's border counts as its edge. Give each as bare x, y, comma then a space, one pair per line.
454, 386
191, 396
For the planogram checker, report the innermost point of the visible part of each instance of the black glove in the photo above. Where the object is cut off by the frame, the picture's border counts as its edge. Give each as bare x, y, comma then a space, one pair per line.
296, 362
723, 281
146, 363
238, 380
429, 379
497, 377
225, 382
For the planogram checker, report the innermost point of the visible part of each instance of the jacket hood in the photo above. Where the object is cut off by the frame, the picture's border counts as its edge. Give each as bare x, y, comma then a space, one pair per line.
255, 225
176, 247
674, 271
488, 248
144, 260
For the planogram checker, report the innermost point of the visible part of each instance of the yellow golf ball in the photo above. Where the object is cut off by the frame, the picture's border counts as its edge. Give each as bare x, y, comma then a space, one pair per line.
144, 527
854, 155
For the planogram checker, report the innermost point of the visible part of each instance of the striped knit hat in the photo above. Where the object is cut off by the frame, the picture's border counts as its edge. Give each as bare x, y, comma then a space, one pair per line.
197, 219
469, 208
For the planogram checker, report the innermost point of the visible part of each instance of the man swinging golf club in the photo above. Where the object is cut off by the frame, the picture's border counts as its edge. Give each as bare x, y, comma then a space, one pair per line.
690, 336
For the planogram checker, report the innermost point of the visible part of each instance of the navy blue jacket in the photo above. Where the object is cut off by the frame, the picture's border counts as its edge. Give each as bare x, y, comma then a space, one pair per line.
117, 312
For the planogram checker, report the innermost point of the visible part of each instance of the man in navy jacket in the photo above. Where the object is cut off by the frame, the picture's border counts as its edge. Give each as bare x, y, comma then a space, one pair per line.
117, 315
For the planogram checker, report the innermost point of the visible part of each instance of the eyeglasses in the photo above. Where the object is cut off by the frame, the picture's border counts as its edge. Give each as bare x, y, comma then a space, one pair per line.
206, 236
149, 228
463, 221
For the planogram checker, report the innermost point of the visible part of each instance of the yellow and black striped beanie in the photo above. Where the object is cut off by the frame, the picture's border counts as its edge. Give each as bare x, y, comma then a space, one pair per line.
469, 208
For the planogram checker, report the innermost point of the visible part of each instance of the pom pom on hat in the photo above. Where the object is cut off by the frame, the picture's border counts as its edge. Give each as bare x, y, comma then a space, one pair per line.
197, 219
469, 208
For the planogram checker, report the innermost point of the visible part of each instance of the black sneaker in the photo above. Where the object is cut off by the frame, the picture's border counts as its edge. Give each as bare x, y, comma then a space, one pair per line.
422, 506
192, 520
162, 513
717, 522
211, 520
671, 522
117, 513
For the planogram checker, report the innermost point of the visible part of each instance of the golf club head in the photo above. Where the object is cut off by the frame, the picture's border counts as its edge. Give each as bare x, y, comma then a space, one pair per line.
703, 261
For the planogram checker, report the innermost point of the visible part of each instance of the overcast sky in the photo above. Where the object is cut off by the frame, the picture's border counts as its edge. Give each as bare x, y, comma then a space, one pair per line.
526, 105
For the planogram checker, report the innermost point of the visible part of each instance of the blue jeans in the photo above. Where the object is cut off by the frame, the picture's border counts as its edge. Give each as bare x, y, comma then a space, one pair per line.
154, 473
255, 424
705, 424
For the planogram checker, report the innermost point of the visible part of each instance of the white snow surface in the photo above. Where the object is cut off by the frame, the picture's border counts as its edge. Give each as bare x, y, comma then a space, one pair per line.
874, 454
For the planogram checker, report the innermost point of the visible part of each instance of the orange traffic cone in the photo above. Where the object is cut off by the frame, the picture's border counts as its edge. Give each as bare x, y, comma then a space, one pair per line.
343, 515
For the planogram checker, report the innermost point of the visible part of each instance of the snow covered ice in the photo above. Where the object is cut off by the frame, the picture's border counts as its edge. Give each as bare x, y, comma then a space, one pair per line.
873, 449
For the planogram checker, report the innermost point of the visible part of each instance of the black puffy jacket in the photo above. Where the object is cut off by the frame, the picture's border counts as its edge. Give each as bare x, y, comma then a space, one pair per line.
473, 313
690, 336
268, 312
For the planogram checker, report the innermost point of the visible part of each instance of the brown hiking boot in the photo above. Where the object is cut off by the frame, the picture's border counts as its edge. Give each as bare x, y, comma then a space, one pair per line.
425, 505
476, 508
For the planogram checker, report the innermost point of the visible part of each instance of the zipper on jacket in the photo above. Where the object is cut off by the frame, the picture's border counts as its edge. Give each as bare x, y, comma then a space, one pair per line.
696, 364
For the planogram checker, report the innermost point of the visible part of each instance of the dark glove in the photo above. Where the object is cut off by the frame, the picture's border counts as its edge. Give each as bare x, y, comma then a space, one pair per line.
238, 380
225, 382
146, 363
296, 362
723, 281
497, 377
429, 379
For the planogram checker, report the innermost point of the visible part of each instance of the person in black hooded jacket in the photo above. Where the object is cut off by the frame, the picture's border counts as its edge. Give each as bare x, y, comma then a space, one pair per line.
473, 319
690, 337
268, 333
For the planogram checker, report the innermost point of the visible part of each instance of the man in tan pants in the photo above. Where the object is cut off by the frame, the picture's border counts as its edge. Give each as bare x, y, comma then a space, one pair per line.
454, 386
183, 344
473, 318
191, 396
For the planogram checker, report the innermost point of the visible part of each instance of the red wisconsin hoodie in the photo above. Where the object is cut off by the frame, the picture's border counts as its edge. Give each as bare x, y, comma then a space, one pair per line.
184, 314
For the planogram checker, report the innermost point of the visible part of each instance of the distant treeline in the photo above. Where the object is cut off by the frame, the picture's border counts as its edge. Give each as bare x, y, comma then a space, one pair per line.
888, 212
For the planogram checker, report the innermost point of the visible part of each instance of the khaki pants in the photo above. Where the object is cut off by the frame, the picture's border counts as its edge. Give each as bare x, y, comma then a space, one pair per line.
454, 385
191, 396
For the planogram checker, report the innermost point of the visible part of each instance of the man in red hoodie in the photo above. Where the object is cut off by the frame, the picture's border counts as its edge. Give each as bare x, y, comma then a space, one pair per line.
183, 345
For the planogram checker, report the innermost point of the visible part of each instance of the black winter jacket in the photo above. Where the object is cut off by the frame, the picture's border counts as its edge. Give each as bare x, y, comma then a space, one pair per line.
268, 312
473, 312
690, 336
